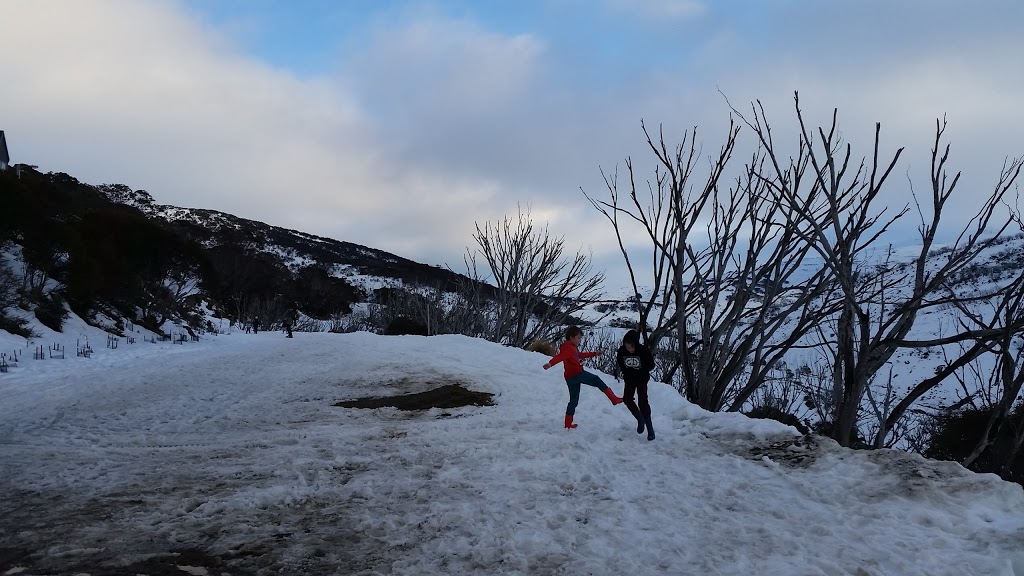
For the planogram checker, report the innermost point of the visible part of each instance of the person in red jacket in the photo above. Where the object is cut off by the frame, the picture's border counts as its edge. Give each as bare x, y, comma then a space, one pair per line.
575, 375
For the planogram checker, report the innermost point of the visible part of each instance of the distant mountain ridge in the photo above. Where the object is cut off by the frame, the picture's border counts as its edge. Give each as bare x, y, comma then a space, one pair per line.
212, 228
115, 257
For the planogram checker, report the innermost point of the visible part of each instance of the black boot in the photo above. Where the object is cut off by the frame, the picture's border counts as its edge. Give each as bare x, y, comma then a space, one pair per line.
650, 429
639, 418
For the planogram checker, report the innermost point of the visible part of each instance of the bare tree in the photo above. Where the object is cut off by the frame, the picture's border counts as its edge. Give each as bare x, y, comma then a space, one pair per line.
998, 334
747, 314
41, 265
1008, 372
463, 310
466, 309
815, 381
167, 293
538, 288
723, 259
782, 394
879, 307
653, 211
605, 342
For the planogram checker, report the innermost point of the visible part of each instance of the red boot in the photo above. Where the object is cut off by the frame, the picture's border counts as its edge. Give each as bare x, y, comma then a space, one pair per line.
568, 422
611, 396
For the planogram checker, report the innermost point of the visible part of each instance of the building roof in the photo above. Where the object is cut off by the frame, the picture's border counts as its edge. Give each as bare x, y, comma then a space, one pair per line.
4, 157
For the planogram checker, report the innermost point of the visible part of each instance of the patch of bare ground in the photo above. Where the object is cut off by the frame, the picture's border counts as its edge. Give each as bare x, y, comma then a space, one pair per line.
174, 563
448, 396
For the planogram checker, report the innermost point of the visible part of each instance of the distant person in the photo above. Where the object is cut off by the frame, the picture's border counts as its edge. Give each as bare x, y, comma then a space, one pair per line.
574, 373
256, 325
290, 318
635, 362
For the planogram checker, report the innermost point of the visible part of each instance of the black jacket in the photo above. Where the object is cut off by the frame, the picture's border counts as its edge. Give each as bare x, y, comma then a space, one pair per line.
636, 366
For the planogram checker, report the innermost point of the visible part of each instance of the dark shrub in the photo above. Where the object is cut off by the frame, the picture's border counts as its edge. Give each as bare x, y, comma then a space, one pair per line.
626, 323
51, 312
320, 295
772, 413
954, 436
404, 325
16, 326
857, 441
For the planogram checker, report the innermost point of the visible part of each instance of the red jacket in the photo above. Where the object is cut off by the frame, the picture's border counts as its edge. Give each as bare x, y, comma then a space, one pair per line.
572, 357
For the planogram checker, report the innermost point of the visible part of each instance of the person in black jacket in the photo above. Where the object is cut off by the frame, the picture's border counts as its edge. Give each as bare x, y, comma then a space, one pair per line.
635, 362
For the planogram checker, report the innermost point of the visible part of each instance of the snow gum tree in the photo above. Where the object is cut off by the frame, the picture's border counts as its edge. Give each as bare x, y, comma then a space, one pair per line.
878, 307
539, 286
726, 252
723, 254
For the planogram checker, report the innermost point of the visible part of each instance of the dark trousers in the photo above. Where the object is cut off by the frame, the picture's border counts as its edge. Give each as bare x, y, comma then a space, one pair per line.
640, 388
574, 388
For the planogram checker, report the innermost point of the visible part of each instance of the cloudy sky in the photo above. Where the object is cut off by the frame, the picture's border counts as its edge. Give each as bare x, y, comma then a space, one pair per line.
400, 124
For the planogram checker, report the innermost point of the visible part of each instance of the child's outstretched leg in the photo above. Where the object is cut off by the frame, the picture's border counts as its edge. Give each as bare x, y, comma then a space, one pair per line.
611, 396
594, 380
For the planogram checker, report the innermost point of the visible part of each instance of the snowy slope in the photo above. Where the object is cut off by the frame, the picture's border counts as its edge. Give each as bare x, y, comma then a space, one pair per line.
233, 446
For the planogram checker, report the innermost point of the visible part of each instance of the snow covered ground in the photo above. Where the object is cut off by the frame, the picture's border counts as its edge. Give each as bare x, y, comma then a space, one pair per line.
232, 447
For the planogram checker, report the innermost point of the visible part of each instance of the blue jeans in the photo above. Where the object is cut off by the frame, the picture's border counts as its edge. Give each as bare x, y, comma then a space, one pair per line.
574, 388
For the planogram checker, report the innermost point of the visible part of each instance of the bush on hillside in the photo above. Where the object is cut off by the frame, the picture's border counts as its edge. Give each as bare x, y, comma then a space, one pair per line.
624, 323
773, 413
9, 284
404, 325
857, 441
954, 436
50, 312
16, 326
545, 347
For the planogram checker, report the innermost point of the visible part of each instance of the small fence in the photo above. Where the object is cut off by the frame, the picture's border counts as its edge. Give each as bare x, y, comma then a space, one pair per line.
83, 349
8, 361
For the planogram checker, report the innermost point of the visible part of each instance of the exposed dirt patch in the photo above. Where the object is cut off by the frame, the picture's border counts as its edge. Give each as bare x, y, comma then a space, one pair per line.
798, 452
448, 396
174, 563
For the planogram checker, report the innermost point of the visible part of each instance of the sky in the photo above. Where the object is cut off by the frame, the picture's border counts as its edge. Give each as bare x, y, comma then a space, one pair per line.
400, 125
228, 455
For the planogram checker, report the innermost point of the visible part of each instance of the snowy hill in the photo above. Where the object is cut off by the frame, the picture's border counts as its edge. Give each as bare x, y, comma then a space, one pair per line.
115, 257
230, 455
364, 267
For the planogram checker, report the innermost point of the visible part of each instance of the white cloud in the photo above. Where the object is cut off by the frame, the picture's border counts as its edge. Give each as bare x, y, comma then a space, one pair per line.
143, 94
446, 65
430, 123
